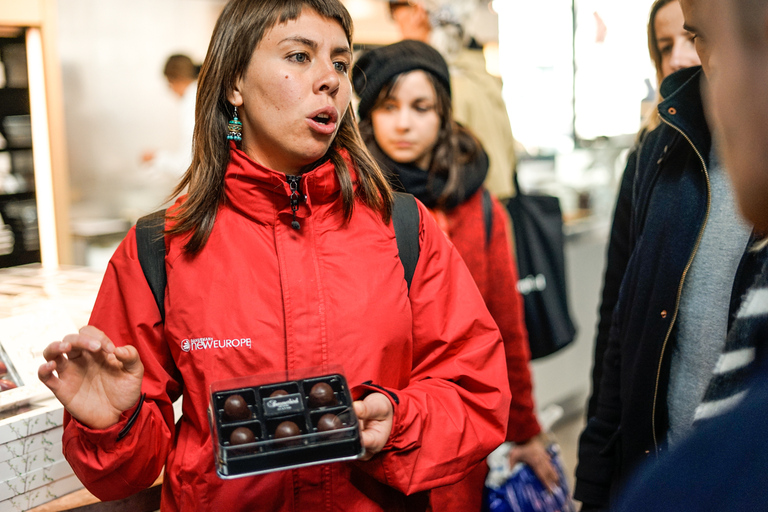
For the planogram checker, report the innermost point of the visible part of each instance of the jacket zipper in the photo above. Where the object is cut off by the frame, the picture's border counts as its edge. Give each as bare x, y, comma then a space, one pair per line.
680, 286
293, 182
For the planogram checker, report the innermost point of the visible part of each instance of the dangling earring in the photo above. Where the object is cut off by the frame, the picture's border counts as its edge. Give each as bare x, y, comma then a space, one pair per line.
235, 129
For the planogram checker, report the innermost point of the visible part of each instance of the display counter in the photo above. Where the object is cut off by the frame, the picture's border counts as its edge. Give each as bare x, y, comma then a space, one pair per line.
37, 306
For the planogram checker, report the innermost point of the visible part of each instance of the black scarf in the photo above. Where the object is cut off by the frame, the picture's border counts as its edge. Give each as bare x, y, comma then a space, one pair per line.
427, 187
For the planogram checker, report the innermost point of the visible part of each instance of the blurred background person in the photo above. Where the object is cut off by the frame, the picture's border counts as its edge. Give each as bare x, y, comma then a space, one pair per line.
477, 100
671, 48
405, 120
181, 73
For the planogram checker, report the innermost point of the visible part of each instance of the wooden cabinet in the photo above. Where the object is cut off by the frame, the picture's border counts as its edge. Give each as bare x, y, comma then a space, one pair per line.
34, 180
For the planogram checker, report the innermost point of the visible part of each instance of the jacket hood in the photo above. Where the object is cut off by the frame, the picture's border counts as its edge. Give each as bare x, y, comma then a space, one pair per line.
428, 187
261, 193
683, 108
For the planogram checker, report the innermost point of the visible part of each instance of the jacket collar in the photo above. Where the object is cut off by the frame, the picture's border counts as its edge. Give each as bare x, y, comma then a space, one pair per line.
682, 107
261, 193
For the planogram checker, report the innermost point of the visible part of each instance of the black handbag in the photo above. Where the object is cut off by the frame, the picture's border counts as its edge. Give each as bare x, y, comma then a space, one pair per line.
537, 222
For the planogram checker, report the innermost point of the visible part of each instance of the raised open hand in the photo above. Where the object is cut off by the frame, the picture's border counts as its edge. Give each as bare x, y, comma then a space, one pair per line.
94, 380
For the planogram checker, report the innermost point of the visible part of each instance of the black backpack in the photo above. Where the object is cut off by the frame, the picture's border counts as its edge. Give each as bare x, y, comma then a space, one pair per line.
150, 244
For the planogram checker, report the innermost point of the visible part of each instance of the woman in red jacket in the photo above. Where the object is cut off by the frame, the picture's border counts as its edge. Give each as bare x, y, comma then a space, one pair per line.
406, 121
282, 257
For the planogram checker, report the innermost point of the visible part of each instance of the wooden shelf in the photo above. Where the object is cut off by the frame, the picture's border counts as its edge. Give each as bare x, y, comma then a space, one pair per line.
147, 500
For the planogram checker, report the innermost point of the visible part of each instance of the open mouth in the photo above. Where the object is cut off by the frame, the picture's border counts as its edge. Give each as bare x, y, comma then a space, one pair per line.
323, 121
322, 118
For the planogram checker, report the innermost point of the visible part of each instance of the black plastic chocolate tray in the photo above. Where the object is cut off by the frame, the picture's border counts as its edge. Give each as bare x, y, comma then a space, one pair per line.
268, 453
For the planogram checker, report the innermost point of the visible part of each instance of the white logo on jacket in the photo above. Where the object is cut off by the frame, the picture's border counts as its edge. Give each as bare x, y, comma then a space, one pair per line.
190, 345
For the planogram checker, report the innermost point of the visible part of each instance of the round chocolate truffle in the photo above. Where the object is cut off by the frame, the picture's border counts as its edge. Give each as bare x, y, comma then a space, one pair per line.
286, 429
328, 422
321, 395
6, 384
278, 392
236, 408
241, 435
3, 368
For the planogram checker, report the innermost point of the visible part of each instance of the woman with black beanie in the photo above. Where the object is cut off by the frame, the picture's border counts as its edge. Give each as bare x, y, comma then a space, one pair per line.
407, 124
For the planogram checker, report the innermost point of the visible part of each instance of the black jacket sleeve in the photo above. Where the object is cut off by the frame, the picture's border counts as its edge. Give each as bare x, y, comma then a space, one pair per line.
616, 264
599, 444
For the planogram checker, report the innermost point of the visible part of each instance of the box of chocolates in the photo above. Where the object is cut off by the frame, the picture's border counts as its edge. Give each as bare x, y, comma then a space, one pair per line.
282, 421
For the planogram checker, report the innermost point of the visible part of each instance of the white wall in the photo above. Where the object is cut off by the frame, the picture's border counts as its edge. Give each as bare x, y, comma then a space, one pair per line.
117, 103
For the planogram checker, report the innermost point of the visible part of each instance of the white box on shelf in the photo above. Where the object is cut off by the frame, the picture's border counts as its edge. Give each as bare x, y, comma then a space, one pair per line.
47, 474
44, 439
22, 341
19, 447
41, 495
12, 449
34, 479
28, 462
30, 419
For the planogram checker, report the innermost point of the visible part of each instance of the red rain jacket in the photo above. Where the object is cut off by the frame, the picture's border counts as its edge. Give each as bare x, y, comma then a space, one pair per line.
492, 265
329, 293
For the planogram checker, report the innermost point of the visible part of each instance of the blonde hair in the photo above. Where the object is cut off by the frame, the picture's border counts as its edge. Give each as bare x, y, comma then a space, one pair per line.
652, 120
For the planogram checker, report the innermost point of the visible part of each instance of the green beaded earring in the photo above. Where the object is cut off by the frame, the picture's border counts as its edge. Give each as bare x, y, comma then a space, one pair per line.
235, 129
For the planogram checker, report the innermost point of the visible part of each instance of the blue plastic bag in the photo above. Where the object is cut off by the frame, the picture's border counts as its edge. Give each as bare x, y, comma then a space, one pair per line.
518, 489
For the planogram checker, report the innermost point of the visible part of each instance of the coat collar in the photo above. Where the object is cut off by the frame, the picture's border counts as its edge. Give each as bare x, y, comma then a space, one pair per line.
262, 193
682, 107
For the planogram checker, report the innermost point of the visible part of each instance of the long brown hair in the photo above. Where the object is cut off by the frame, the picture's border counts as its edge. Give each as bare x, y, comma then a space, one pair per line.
455, 146
239, 29
652, 120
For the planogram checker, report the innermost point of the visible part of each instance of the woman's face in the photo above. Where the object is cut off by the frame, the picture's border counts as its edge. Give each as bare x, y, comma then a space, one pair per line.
406, 125
294, 93
675, 44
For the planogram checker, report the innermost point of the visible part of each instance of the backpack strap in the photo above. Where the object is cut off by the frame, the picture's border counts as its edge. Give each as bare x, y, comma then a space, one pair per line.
487, 215
150, 244
405, 218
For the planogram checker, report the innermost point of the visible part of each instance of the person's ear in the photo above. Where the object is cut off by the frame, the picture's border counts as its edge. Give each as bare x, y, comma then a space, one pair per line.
234, 95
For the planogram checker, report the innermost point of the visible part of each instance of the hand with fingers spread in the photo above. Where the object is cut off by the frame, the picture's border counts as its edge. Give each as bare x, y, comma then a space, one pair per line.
92, 378
375, 413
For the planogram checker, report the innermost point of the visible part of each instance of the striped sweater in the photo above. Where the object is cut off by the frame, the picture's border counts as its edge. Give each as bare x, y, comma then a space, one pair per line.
748, 335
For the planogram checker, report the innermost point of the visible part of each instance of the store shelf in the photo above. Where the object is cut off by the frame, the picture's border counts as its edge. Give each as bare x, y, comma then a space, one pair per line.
14, 101
32, 124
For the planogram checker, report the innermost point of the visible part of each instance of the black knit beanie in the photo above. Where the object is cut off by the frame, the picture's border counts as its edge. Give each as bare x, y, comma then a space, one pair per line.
377, 67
